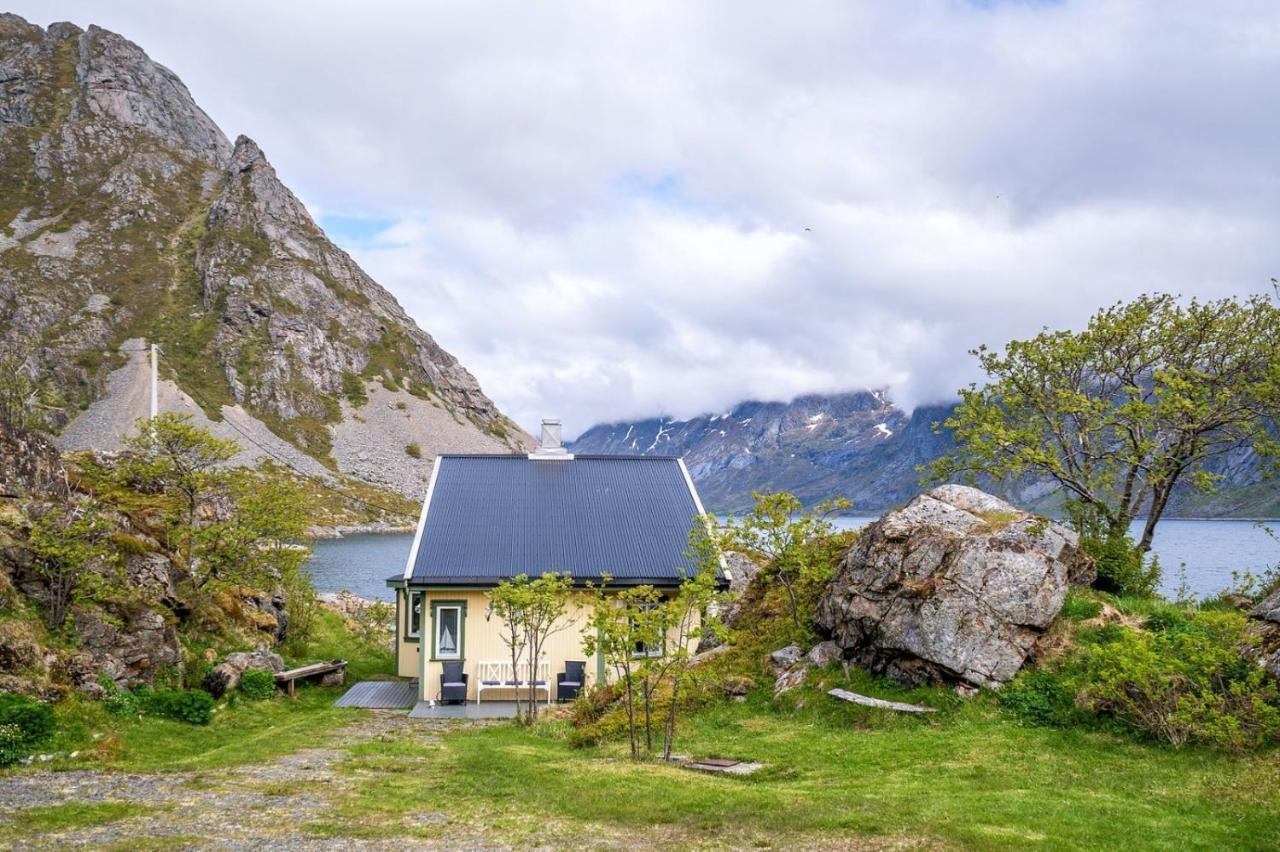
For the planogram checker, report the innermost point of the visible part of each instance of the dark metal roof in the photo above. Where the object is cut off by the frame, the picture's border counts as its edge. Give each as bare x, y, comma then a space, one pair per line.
495, 516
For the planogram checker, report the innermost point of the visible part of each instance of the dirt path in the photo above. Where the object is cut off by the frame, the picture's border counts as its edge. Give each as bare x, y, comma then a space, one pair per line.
259, 806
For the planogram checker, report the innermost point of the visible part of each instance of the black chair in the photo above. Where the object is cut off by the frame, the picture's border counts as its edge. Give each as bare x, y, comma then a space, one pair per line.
569, 682
453, 684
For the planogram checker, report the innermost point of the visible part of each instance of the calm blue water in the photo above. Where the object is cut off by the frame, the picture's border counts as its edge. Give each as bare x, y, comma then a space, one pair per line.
1209, 551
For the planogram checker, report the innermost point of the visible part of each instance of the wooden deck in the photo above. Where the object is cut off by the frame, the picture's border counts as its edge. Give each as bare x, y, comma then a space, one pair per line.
381, 695
470, 710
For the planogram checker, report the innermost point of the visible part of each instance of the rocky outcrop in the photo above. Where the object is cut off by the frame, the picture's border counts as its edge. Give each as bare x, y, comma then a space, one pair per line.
1268, 613
954, 588
128, 647
30, 466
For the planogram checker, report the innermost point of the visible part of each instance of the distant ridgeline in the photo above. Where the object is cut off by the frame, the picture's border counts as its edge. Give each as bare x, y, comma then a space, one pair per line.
861, 446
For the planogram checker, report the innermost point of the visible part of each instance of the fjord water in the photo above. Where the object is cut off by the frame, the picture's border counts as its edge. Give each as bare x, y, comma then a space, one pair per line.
1204, 552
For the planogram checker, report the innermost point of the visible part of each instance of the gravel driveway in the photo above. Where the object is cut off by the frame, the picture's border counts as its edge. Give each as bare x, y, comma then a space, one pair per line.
254, 807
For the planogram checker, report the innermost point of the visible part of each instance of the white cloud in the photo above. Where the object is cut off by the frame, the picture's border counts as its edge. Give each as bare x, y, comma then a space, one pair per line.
611, 210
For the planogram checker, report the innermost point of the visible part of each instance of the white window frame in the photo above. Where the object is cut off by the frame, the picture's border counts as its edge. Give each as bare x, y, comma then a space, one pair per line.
437, 622
651, 653
412, 626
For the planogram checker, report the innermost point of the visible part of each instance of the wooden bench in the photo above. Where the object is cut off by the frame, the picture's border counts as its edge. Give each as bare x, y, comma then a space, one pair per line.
287, 679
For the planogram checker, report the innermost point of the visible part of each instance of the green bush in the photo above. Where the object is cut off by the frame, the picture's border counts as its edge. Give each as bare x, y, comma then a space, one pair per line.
194, 706
25, 724
34, 718
257, 684
1040, 698
1122, 570
413, 449
1077, 607
1186, 680
13, 746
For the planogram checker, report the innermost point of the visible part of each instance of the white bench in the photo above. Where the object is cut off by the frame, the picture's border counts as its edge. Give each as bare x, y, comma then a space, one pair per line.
497, 674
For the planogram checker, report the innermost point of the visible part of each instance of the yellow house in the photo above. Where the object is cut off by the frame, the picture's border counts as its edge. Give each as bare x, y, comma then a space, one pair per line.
487, 518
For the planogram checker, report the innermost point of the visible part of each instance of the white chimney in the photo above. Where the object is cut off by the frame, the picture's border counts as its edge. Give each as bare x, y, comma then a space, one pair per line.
549, 447
550, 435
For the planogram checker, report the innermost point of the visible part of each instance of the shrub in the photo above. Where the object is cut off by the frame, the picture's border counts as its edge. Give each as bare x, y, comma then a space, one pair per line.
1040, 698
257, 684
24, 725
122, 702
194, 706
13, 745
353, 389
1122, 570
1079, 608
413, 450
1187, 682
34, 718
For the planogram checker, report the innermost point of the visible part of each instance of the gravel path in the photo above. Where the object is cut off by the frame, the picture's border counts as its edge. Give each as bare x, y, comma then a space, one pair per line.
251, 807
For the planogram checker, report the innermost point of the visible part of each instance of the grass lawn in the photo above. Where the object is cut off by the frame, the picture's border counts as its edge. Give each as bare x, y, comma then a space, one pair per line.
837, 774
249, 732
66, 817
242, 731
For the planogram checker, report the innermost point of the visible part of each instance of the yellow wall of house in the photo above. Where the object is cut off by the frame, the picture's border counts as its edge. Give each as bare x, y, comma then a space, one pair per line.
482, 640
406, 650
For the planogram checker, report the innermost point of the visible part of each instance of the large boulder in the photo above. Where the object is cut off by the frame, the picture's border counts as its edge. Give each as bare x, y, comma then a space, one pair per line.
954, 588
225, 676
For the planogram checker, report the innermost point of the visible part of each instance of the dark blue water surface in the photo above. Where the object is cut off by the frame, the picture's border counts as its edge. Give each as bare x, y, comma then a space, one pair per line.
1204, 552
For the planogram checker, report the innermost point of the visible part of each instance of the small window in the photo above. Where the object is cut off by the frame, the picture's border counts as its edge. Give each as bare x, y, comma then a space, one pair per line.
642, 649
448, 625
413, 616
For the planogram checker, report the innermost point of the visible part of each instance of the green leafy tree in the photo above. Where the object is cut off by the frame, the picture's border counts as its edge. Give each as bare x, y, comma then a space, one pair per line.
1143, 399
173, 455
688, 618
62, 543
260, 543
623, 628
534, 611
783, 532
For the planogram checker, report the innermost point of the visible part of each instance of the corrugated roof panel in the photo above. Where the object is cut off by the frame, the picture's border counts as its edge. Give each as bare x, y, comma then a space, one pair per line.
493, 517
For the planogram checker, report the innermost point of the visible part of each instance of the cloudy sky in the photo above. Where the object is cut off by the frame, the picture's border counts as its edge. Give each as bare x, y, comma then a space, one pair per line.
609, 210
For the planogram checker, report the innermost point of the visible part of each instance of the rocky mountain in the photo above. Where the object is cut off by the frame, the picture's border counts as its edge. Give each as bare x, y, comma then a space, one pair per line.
861, 446
127, 216
857, 445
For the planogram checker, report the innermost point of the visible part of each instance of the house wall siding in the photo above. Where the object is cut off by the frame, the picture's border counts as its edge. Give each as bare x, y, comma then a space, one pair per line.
482, 640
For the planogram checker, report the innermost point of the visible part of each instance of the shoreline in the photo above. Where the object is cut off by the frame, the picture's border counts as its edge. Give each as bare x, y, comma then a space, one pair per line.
344, 530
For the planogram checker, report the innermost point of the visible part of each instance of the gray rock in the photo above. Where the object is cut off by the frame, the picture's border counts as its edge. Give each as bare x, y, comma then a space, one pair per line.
225, 676
825, 653
18, 651
30, 465
1269, 609
954, 587
791, 678
784, 658
128, 647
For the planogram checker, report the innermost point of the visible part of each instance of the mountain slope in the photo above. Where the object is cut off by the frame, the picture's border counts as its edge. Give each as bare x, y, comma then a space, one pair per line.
860, 446
126, 214
856, 445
